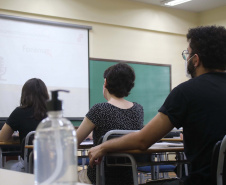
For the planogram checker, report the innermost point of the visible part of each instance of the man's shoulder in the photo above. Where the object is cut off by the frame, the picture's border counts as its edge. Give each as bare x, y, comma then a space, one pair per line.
184, 85
191, 82
202, 78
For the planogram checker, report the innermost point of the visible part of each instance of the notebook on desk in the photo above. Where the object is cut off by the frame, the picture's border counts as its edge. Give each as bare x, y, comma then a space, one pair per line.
87, 142
167, 144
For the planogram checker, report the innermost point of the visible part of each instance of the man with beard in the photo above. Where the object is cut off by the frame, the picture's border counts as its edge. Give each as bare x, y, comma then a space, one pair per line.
198, 105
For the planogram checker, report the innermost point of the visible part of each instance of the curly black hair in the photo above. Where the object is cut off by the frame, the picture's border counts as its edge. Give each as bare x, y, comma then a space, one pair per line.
209, 43
120, 79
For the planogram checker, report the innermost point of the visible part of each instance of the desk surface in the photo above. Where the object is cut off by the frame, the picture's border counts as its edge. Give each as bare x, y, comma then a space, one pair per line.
172, 139
152, 149
83, 145
89, 144
9, 177
11, 143
158, 148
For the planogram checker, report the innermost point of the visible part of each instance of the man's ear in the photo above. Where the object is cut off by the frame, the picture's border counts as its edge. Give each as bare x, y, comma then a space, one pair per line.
196, 61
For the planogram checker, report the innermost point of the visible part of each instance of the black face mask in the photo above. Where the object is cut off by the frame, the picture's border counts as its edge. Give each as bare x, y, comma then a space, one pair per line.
191, 67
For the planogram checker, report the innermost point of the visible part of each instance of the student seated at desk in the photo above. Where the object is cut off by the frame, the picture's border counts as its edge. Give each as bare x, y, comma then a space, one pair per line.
116, 114
29, 114
198, 105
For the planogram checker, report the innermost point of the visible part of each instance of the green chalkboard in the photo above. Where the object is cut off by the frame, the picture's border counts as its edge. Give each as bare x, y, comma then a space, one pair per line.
152, 84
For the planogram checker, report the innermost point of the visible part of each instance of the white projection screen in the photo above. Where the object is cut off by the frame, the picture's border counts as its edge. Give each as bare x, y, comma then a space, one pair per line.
57, 53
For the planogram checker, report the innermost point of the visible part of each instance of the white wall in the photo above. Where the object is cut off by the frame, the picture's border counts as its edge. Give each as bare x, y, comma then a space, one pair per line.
215, 16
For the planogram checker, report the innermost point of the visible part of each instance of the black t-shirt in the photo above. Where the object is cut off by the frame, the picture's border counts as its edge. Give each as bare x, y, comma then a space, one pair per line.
199, 106
22, 120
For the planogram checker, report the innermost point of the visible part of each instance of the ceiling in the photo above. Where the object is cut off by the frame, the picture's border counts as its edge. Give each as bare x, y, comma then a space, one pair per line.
193, 6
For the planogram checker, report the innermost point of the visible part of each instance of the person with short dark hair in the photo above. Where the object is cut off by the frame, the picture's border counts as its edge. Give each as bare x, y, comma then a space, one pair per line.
120, 80
115, 114
31, 111
198, 105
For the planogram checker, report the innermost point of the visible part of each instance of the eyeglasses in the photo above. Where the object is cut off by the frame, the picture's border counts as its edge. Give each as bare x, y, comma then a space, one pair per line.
185, 54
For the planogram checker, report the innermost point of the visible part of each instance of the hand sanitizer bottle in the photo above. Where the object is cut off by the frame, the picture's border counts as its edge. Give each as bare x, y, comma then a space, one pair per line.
55, 147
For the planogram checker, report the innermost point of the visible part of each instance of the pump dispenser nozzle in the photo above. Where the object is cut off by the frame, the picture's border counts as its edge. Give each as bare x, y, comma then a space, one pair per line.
55, 104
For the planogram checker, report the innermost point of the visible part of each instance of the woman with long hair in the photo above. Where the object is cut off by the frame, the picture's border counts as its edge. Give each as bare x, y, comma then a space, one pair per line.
31, 111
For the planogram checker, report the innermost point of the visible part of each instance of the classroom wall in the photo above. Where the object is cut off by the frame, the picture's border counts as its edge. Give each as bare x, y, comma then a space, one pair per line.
122, 29
215, 16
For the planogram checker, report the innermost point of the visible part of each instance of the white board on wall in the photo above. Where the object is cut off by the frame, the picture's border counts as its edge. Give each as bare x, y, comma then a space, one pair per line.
57, 53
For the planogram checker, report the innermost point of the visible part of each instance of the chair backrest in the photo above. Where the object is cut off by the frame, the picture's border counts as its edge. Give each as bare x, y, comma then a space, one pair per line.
116, 133
119, 133
100, 177
28, 140
221, 166
214, 161
218, 163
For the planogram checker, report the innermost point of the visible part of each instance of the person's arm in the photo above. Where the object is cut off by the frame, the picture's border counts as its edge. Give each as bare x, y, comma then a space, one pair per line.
6, 133
84, 130
157, 128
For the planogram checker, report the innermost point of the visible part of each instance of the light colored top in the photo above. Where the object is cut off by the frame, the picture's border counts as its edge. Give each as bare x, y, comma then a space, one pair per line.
19, 178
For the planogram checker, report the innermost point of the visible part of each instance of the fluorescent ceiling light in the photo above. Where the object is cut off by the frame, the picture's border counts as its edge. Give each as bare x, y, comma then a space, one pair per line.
174, 2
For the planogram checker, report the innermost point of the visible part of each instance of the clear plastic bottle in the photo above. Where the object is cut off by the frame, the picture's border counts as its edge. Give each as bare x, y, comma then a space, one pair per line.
55, 147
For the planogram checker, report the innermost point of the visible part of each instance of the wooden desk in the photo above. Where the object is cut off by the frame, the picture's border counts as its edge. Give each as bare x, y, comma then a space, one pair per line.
156, 148
8, 177
10, 143
29, 146
83, 145
89, 144
171, 140
9, 148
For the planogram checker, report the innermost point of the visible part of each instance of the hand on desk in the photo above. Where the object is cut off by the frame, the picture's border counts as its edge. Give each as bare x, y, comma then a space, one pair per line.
95, 155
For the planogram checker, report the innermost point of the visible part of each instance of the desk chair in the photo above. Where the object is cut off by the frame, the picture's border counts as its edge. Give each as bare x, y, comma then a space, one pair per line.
83, 161
100, 175
172, 134
9, 151
161, 169
83, 158
218, 163
221, 166
28, 140
12, 149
